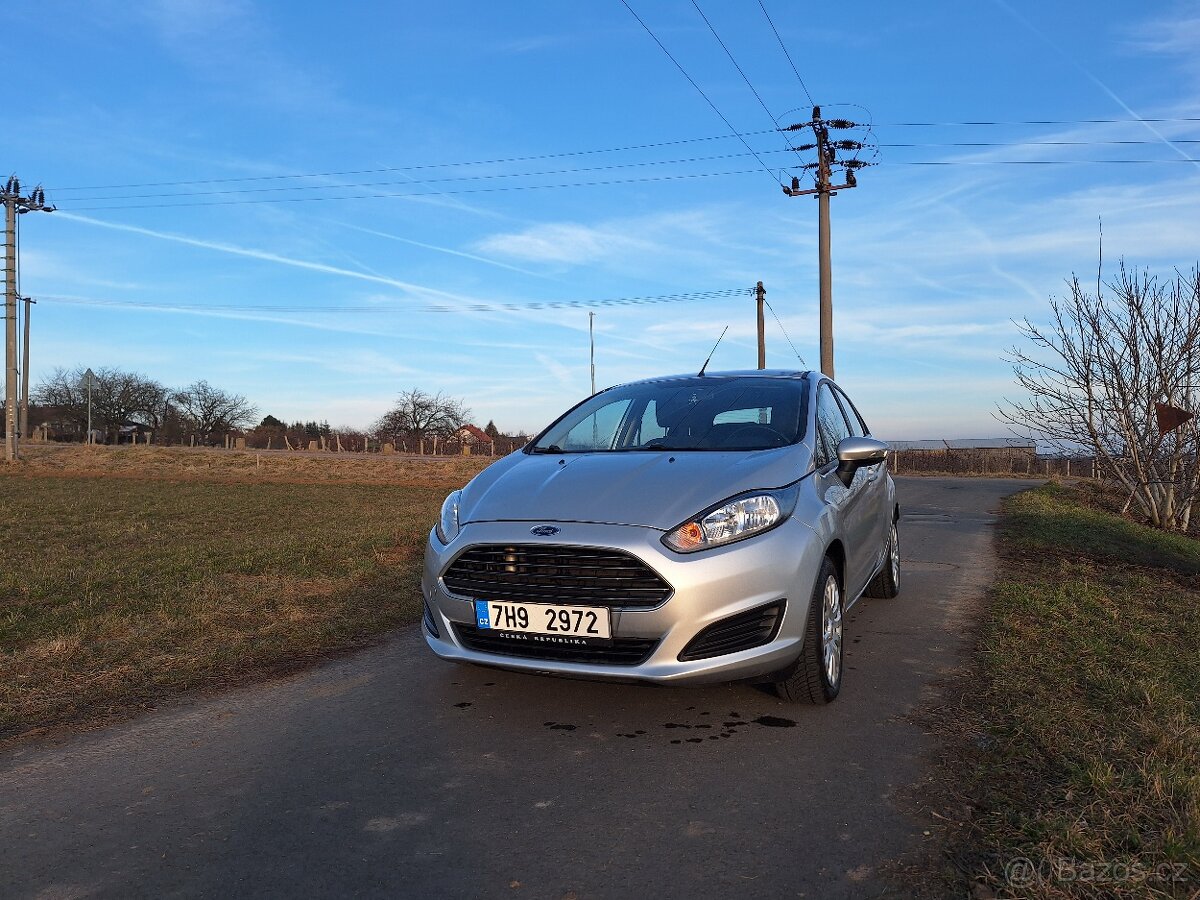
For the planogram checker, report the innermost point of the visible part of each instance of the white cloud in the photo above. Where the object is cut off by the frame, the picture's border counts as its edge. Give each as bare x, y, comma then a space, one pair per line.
563, 243
1173, 36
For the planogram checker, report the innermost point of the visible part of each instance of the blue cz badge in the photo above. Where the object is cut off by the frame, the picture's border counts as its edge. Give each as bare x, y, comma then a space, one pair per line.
483, 618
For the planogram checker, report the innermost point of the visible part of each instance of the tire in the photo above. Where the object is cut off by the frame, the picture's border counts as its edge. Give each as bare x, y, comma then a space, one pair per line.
816, 677
886, 584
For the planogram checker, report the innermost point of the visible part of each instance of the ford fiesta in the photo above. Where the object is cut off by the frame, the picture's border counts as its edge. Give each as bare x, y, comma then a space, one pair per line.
676, 530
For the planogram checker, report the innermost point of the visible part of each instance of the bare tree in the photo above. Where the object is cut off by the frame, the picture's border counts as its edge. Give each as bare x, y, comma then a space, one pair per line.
208, 410
1094, 376
418, 415
118, 398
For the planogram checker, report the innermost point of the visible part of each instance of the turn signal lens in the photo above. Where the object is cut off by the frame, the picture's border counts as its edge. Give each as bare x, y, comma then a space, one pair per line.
685, 537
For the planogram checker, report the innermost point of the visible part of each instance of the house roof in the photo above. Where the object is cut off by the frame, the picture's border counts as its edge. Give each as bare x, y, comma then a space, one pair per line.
476, 433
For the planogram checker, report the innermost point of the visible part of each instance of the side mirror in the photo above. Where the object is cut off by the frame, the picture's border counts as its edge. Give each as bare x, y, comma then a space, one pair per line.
856, 452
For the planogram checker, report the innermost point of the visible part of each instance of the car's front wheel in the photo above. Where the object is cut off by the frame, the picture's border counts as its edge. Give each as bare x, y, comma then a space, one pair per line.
887, 583
816, 677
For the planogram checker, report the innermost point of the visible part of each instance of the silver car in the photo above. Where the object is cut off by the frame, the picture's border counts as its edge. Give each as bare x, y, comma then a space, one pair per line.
679, 530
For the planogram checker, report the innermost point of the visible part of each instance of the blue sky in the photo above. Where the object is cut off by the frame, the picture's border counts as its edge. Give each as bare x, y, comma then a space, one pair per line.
326, 308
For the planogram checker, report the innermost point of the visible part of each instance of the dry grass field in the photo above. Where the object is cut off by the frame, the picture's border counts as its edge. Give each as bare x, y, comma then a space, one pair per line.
1075, 743
129, 575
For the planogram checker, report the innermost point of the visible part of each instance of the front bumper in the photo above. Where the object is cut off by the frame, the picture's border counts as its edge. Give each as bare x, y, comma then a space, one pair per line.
781, 564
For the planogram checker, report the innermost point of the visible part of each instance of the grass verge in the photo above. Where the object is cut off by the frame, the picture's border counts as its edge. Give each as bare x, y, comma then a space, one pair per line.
118, 592
1076, 747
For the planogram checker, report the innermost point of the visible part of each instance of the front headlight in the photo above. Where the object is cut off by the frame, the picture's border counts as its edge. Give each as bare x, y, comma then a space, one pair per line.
732, 520
447, 526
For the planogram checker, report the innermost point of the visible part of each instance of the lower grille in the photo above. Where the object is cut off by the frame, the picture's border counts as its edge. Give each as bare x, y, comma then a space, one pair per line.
740, 632
430, 621
621, 652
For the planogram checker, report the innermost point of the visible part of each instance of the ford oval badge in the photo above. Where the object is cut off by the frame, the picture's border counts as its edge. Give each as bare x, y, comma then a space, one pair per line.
544, 530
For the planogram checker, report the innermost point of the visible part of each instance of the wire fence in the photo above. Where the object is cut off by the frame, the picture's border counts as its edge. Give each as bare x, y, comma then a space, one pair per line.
501, 446
991, 462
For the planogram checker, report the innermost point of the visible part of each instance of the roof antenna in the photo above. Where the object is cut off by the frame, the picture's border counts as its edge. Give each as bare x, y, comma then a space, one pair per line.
710, 355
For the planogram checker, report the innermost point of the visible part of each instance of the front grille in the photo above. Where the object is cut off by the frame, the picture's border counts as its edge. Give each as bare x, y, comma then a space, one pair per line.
621, 652
740, 632
550, 573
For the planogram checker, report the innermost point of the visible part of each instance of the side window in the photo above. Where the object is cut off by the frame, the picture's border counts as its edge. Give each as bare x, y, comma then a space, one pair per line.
831, 427
858, 428
648, 428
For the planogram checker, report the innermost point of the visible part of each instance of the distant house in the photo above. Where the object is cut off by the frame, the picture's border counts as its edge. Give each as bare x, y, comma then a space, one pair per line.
471, 434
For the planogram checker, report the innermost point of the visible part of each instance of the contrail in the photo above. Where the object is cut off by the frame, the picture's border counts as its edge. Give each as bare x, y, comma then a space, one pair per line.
1096, 81
471, 256
269, 257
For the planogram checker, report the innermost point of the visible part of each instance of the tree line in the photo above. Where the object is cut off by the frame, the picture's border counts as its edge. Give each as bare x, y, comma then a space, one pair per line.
201, 413
123, 401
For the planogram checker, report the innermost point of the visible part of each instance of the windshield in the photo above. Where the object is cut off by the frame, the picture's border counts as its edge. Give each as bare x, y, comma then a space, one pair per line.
701, 413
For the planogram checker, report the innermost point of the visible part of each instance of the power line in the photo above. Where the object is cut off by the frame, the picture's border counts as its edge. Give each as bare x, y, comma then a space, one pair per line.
605, 183
1038, 122
609, 182
414, 168
732, 130
611, 167
401, 195
1040, 143
783, 47
620, 149
423, 181
724, 47
1042, 162
779, 322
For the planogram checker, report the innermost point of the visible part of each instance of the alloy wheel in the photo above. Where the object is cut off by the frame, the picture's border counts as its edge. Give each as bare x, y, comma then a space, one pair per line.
831, 631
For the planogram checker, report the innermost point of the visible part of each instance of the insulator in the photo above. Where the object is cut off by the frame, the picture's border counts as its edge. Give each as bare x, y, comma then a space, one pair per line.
841, 123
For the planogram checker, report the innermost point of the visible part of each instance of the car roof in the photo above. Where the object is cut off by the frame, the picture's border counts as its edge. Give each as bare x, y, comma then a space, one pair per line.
737, 373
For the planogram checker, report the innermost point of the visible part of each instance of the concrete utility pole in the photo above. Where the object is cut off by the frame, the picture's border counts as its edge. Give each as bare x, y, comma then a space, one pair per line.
826, 161
25, 429
14, 204
761, 293
592, 348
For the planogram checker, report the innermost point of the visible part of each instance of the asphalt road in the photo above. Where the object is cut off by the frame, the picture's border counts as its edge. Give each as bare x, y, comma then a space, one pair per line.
393, 774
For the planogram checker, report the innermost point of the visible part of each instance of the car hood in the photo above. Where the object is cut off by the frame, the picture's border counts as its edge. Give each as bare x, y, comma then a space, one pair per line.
653, 489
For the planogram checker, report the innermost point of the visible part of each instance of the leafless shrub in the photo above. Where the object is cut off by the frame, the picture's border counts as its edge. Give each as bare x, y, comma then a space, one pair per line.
1093, 376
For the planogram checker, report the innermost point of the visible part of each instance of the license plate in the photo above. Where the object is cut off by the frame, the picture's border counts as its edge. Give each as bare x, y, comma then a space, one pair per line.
544, 622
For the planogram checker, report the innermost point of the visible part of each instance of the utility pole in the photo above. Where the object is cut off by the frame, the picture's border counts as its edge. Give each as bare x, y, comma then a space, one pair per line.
25, 429
14, 204
761, 294
592, 348
827, 161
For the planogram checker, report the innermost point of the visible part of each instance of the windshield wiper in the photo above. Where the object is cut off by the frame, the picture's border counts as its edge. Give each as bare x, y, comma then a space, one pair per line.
553, 448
